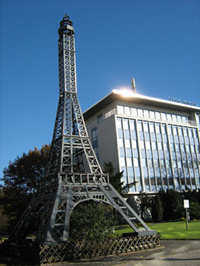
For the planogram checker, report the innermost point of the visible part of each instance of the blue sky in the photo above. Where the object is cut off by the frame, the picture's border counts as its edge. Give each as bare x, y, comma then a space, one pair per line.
157, 42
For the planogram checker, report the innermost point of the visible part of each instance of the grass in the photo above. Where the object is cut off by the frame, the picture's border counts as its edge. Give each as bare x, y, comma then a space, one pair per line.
171, 230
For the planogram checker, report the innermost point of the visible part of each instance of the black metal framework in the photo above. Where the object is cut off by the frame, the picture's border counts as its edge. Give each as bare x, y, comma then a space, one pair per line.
73, 173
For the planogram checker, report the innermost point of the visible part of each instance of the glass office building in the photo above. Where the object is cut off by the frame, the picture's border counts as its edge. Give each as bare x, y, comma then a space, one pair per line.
154, 142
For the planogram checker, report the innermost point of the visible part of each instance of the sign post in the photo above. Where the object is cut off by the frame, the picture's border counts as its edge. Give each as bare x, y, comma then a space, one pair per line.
186, 206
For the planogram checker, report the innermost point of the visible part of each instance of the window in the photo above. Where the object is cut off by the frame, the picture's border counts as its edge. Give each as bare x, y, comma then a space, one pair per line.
132, 124
182, 148
155, 154
159, 138
127, 110
159, 146
162, 163
175, 131
119, 123
95, 141
180, 131
169, 117
164, 116
144, 164
174, 118
185, 132
133, 134
121, 150
187, 148
177, 147
147, 136
146, 113
152, 128
125, 123
128, 152
141, 144
146, 127
158, 115
153, 145
126, 134
127, 143
156, 163
179, 164
94, 134
134, 111
164, 138
152, 114
141, 135
139, 126
150, 163
134, 144
190, 132
167, 163
129, 162
120, 109
136, 164
153, 137
99, 118
192, 149
148, 145
179, 118
170, 130
163, 129
130, 172
140, 112
135, 153
120, 134
120, 143
122, 161
165, 146
184, 119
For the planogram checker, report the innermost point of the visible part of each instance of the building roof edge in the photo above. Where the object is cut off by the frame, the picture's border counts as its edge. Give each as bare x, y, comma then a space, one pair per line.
138, 99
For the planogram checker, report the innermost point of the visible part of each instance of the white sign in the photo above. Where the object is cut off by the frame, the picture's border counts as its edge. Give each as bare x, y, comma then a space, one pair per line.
186, 203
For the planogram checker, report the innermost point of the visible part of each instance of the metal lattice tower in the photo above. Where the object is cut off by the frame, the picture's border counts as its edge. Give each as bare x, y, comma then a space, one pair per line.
73, 173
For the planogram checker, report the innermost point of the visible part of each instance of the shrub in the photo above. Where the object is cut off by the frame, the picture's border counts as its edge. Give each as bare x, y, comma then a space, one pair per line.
194, 210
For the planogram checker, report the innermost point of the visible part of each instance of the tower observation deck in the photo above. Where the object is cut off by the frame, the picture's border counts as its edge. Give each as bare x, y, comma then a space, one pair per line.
73, 173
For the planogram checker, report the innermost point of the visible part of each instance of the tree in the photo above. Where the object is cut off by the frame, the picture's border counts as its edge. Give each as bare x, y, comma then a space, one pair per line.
115, 179
145, 206
172, 204
157, 209
21, 179
91, 220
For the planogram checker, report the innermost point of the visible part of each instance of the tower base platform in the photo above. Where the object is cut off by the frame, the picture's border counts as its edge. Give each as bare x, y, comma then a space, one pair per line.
39, 253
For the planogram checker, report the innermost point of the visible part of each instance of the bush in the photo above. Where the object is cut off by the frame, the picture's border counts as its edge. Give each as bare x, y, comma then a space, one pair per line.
194, 210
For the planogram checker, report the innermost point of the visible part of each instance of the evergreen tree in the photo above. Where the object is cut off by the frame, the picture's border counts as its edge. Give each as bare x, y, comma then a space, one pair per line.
172, 203
157, 209
115, 179
91, 220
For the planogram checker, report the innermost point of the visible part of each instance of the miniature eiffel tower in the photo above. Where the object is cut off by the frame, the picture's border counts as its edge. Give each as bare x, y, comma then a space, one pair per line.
73, 173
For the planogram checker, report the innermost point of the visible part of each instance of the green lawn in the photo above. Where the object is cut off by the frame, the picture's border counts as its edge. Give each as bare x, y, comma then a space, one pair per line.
172, 230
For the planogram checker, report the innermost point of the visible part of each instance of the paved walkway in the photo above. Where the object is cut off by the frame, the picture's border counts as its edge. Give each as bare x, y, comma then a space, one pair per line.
172, 253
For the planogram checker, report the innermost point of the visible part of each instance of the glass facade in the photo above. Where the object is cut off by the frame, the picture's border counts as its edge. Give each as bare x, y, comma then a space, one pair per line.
154, 153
